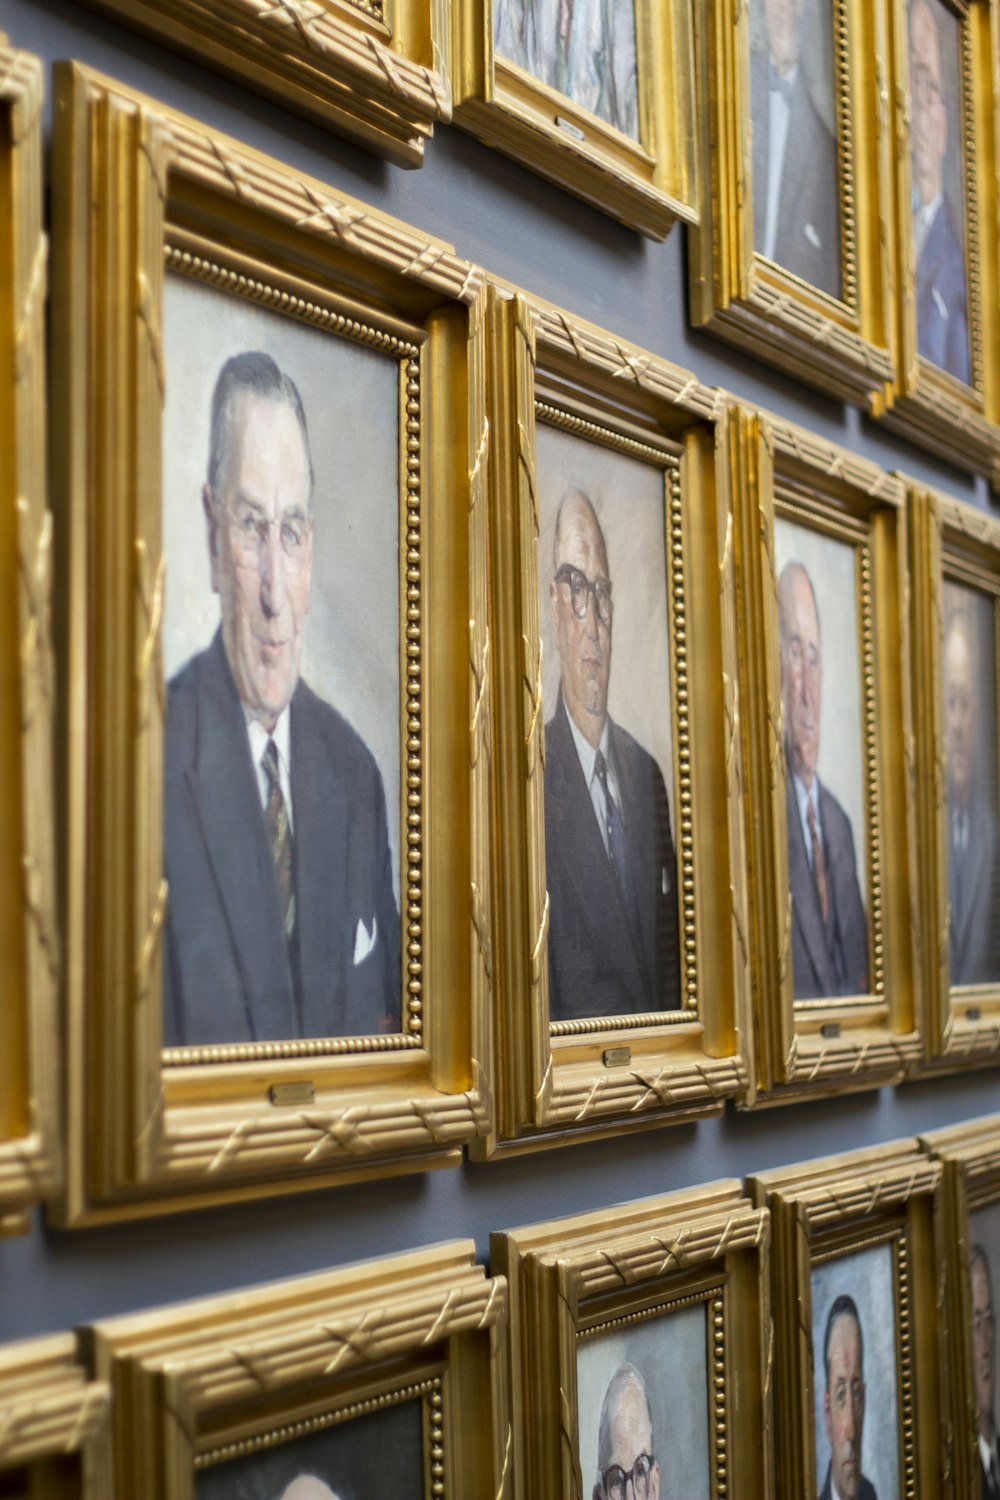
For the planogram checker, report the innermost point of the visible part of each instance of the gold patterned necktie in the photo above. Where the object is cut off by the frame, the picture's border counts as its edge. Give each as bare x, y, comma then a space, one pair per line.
819, 863
279, 835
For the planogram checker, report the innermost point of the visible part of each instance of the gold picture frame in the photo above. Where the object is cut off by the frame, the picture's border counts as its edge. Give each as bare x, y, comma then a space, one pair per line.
845, 1016
944, 394
564, 1066
955, 551
856, 1239
56, 1422
969, 1156
790, 268
147, 198
637, 163
584, 1294
29, 1127
317, 1367
374, 70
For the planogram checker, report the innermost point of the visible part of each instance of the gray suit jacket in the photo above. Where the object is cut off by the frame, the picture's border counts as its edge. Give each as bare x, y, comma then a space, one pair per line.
807, 241
595, 969
815, 960
974, 920
229, 973
866, 1490
942, 298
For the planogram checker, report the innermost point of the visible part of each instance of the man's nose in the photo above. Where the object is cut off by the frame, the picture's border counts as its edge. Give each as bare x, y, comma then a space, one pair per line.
272, 572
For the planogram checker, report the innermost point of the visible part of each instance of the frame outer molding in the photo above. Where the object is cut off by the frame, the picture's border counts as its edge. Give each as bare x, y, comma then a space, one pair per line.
30, 1156
52, 1410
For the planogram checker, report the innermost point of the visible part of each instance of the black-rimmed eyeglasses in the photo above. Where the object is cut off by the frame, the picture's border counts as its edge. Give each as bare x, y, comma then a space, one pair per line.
616, 1479
580, 590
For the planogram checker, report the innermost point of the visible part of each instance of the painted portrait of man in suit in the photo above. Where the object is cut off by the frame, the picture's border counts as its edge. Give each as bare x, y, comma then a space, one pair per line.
969, 657
829, 928
585, 49
282, 920
796, 203
938, 198
984, 1359
610, 862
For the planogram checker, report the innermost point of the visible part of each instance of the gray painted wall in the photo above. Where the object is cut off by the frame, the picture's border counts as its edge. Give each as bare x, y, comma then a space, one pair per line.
524, 230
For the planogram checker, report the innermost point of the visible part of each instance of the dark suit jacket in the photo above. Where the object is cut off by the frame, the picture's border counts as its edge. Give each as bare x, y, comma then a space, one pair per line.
229, 973
807, 240
594, 966
813, 973
942, 301
974, 919
866, 1490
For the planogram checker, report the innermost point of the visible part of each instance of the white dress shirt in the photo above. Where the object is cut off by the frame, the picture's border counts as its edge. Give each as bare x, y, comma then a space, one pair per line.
924, 215
802, 801
258, 744
588, 757
777, 139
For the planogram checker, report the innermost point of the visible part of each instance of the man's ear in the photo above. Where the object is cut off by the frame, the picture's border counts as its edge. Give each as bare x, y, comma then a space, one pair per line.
211, 521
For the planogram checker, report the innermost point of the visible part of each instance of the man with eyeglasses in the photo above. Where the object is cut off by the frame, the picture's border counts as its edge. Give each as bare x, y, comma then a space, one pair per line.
829, 930
627, 1468
941, 301
984, 1349
844, 1402
282, 920
611, 870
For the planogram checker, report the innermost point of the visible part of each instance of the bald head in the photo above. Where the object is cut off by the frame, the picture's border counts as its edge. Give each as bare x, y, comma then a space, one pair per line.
960, 705
580, 600
308, 1487
625, 1437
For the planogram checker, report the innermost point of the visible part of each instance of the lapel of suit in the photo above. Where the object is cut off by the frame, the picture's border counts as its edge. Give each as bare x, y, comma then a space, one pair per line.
796, 166
224, 787
973, 872
805, 902
587, 863
641, 817
319, 803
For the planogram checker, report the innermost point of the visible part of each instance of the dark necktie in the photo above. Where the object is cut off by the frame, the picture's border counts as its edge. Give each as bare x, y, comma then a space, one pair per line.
618, 852
279, 836
819, 863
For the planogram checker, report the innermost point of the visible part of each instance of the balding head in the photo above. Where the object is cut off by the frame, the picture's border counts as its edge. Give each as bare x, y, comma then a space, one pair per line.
580, 600
308, 1487
960, 705
625, 1436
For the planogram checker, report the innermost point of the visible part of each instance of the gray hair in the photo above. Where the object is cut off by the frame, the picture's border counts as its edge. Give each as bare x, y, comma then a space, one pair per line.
256, 373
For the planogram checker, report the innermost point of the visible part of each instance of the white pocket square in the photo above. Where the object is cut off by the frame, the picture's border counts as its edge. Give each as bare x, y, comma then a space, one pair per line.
364, 941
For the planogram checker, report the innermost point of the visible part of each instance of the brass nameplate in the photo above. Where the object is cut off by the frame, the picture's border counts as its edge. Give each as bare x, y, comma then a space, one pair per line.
617, 1057
302, 1092
831, 1030
570, 128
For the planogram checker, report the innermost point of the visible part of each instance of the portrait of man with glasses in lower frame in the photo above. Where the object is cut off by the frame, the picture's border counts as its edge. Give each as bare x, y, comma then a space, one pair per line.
611, 869
282, 918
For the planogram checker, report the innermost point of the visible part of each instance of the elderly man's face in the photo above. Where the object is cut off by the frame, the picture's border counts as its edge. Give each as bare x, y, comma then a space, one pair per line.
844, 1406
783, 18
260, 540
584, 645
983, 1332
631, 1438
929, 118
959, 714
801, 674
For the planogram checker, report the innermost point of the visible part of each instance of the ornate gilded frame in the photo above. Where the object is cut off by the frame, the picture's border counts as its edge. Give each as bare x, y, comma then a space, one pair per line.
647, 183
375, 70
557, 1080
571, 1280
957, 421
969, 1156
821, 1211
948, 540
841, 344
203, 1382
138, 188
806, 1047
55, 1421
29, 1155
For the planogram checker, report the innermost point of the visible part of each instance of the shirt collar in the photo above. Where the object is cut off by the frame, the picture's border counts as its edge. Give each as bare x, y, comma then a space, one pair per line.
585, 750
281, 735
985, 1451
804, 796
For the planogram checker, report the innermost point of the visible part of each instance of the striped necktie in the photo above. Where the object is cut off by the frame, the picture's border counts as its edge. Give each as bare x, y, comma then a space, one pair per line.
279, 836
